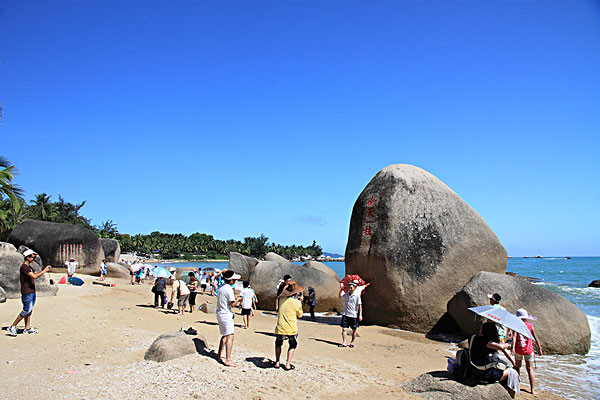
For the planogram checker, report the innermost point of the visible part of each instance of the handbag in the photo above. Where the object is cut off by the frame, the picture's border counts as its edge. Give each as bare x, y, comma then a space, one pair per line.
153, 289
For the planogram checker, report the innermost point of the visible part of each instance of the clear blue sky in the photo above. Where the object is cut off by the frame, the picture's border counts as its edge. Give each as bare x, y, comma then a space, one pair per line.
241, 118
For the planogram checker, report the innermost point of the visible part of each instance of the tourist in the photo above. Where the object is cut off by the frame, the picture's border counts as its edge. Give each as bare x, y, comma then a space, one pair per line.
523, 348
27, 276
179, 291
71, 267
204, 281
225, 300
160, 285
103, 271
133, 270
193, 287
281, 285
248, 303
289, 310
495, 302
488, 367
311, 301
352, 314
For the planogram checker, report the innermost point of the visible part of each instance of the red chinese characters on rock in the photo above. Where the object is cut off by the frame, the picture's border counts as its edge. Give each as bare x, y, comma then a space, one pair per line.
368, 231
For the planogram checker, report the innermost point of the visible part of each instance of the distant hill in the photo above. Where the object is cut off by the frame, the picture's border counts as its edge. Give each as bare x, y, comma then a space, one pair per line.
332, 255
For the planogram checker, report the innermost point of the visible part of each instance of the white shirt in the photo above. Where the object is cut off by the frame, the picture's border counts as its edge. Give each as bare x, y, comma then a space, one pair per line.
224, 299
183, 289
203, 279
247, 295
351, 303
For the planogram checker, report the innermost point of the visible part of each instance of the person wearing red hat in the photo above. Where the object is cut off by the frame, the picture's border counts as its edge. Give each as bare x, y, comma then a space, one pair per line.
27, 276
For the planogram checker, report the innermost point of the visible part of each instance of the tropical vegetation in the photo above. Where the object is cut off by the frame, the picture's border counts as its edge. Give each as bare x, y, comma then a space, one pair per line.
14, 209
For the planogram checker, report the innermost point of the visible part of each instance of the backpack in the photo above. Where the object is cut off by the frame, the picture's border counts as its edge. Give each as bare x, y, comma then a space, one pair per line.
463, 360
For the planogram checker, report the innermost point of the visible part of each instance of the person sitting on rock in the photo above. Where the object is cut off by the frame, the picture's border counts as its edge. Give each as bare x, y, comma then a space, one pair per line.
487, 366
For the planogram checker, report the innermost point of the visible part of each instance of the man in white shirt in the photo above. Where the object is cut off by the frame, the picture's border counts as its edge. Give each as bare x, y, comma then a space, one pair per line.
352, 314
71, 267
248, 296
225, 300
180, 289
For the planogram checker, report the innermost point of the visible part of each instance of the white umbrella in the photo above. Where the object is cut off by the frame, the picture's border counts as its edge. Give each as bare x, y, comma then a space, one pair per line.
135, 267
503, 317
160, 272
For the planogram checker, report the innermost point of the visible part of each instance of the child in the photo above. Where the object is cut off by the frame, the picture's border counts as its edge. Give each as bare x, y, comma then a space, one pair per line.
248, 303
523, 348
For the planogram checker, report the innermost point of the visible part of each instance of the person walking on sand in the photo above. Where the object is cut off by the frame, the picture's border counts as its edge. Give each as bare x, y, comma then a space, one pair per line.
248, 303
523, 348
179, 291
103, 270
352, 314
311, 301
225, 300
289, 310
203, 281
27, 276
193, 288
160, 285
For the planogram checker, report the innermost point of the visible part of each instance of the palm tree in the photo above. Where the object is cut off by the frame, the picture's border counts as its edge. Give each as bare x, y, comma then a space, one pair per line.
12, 205
41, 208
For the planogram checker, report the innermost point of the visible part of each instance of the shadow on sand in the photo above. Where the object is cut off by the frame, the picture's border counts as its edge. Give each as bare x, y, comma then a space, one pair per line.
261, 362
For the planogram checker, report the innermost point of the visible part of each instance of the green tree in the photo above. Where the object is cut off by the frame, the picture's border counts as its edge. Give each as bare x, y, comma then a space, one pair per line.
12, 205
41, 208
108, 230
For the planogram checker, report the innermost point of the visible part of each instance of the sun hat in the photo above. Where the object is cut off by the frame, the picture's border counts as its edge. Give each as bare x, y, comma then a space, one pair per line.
71, 259
292, 289
496, 297
29, 252
230, 275
523, 314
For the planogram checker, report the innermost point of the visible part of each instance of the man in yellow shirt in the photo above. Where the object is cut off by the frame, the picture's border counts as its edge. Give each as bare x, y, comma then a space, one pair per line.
289, 310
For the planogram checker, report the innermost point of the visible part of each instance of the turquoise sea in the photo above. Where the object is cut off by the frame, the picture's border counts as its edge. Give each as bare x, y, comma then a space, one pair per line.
573, 376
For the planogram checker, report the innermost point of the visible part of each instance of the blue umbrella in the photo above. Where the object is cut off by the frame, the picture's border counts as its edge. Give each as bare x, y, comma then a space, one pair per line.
161, 272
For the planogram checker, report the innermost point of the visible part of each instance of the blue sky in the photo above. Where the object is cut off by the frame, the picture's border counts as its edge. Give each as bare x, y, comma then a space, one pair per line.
242, 118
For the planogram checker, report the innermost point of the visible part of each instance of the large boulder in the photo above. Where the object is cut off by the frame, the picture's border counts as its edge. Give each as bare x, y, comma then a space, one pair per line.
595, 283
241, 264
270, 256
561, 327
10, 265
174, 345
7, 248
322, 267
417, 242
56, 243
266, 275
2, 295
440, 385
111, 249
116, 270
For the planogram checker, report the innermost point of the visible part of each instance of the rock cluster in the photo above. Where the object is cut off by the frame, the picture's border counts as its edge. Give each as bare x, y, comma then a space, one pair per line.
561, 327
417, 242
10, 265
440, 385
241, 264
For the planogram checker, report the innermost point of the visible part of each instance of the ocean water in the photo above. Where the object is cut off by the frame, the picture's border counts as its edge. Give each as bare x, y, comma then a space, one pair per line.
572, 376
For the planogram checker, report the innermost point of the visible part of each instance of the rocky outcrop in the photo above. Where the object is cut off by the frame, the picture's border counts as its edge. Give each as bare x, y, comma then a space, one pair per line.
270, 256
10, 265
595, 283
417, 242
561, 327
115, 270
56, 243
174, 345
2, 296
266, 275
440, 385
7, 248
111, 249
241, 264
322, 267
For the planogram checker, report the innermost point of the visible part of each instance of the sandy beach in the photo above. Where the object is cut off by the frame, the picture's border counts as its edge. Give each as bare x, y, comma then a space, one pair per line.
92, 340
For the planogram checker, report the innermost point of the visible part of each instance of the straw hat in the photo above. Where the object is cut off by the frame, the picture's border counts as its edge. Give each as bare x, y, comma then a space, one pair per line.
292, 289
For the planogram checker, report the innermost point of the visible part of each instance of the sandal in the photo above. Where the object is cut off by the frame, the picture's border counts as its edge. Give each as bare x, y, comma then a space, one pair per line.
276, 364
290, 368
342, 345
351, 346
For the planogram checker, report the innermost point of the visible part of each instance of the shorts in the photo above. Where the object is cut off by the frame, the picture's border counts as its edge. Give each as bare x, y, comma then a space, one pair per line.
193, 299
349, 322
225, 321
28, 301
246, 311
527, 357
182, 300
292, 340
203, 286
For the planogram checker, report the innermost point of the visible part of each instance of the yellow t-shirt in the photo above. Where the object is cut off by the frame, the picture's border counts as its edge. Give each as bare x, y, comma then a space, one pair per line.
289, 309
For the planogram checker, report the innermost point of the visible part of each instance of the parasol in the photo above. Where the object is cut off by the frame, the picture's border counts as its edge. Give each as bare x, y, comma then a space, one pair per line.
504, 318
161, 272
352, 278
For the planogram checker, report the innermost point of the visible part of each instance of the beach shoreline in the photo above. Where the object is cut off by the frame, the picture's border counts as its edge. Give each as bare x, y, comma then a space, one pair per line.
92, 340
